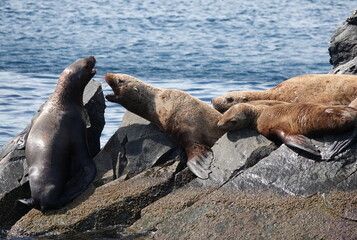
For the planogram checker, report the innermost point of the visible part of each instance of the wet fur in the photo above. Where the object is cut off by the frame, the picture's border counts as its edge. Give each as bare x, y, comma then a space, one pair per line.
60, 167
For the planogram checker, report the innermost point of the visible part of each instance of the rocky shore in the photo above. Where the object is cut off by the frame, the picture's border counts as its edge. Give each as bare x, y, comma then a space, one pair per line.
257, 190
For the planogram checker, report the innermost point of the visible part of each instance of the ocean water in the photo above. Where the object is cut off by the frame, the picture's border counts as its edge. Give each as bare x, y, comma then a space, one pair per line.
206, 48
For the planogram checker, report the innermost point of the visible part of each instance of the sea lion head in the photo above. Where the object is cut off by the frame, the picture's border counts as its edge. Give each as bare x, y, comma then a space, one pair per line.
239, 116
129, 92
224, 102
80, 72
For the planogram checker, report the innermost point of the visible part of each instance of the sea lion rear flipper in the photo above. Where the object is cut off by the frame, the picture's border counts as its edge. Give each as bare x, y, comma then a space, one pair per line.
297, 141
339, 146
28, 201
78, 184
199, 160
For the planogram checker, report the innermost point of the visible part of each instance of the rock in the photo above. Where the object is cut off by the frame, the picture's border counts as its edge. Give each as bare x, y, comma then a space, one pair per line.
139, 145
118, 202
13, 185
349, 67
343, 204
13, 167
94, 103
233, 214
234, 152
296, 173
343, 44
252, 192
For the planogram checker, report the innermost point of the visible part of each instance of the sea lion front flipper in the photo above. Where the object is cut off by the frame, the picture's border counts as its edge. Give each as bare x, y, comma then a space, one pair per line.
297, 141
199, 159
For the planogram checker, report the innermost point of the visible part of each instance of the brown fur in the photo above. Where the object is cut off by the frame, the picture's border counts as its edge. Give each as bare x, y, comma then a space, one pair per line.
329, 89
291, 122
187, 120
293, 118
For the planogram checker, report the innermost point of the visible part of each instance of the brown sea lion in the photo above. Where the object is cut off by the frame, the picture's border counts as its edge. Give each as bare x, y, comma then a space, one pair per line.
60, 167
187, 120
292, 123
331, 89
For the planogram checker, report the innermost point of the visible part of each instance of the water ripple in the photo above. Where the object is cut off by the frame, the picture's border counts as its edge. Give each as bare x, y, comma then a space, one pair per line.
206, 48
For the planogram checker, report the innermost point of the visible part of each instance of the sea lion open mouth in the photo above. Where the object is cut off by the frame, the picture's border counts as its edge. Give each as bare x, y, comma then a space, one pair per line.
111, 80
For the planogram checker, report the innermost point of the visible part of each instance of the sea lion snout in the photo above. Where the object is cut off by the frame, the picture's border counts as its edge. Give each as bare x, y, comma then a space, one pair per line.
117, 82
90, 63
217, 104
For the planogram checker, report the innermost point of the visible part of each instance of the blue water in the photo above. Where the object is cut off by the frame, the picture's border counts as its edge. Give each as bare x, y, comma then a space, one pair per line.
206, 48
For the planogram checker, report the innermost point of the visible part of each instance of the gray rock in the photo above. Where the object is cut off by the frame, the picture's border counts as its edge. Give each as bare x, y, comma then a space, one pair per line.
94, 104
139, 145
343, 45
299, 174
234, 152
349, 67
118, 202
13, 185
233, 214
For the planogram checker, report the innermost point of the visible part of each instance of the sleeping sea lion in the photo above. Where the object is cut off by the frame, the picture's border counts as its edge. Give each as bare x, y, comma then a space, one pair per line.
292, 123
60, 167
331, 89
187, 120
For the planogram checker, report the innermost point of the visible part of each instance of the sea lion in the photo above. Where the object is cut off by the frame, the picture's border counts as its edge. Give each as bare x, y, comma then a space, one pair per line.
187, 120
56, 150
331, 89
292, 123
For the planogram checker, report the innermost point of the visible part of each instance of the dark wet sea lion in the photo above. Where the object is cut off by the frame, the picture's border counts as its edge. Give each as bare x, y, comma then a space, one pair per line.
329, 89
60, 167
189, 121
292, 123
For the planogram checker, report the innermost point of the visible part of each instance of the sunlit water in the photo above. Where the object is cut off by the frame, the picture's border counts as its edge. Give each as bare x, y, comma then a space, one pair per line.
206, 48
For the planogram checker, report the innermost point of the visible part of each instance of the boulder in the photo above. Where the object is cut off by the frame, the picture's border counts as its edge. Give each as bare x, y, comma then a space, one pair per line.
256, 190
139, 145
94, 104
233, 153
343, 44
118, 202
287, 171
233, 214
349, 67
13, 166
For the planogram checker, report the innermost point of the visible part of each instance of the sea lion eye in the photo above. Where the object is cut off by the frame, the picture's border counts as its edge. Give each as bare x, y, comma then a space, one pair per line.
244, 99
234, 122
230, 99
136, 89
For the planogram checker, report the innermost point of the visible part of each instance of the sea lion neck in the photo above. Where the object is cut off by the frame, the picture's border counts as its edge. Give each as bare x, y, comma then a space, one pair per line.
73, 80
67, 91
255, 112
